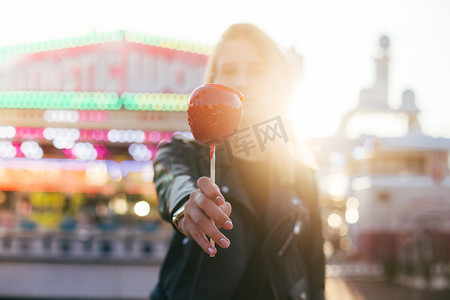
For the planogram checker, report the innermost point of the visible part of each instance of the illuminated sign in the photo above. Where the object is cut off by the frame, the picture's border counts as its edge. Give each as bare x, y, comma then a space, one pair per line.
119, 67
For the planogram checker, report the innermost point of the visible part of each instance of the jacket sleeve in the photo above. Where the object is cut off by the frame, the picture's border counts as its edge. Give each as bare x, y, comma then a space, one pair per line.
315, 256
175, 179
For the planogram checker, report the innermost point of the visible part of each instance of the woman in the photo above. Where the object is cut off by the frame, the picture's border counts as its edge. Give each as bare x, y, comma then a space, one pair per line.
272, 241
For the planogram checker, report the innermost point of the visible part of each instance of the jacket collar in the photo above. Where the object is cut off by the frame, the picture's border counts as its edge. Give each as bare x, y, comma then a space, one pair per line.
281, 199
226, 176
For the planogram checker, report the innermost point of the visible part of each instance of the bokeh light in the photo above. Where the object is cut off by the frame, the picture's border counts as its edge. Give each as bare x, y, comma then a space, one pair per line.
334, 220
142, 208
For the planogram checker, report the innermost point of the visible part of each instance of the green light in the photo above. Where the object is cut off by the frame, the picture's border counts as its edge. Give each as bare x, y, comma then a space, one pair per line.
60, 100
93, 101
167, 43
155, 102
95, 38
98, 38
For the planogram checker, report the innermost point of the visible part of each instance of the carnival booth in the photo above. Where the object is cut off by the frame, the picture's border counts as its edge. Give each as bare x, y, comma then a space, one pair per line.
80, 120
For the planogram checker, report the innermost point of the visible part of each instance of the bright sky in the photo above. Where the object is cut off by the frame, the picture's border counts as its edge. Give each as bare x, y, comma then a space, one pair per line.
338, 40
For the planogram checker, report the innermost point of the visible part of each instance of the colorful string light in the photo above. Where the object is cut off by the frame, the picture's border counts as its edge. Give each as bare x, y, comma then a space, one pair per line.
81, 144
167, 43
101, 38
154, 102
7, 132
7, 149
87, 135
59, 100
90, 106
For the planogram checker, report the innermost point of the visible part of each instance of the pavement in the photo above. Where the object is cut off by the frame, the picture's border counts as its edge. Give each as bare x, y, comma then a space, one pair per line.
25, 280
351, 289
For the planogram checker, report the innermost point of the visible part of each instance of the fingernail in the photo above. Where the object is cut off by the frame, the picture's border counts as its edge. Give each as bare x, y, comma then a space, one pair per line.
211, 250
220, 200
224, 242
228, 225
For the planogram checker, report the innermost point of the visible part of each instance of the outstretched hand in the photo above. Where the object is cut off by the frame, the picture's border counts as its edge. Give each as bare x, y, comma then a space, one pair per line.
206, 204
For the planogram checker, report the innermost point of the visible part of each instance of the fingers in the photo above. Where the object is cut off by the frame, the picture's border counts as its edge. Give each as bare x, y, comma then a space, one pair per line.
197, 225
205, 209
226, 208
204, 224
214, 212
198, 236
210, 190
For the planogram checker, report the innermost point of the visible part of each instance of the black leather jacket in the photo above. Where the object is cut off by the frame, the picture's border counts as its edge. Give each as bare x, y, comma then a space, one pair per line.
292, 249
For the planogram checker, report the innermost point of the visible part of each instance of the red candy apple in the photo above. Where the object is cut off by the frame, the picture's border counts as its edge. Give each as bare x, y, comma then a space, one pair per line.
214, 112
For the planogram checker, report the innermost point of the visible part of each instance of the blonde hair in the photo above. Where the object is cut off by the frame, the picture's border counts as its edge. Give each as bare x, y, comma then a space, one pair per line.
275, 57
285, 76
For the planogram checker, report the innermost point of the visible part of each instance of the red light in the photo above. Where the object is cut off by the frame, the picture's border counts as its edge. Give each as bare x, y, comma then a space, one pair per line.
19, 152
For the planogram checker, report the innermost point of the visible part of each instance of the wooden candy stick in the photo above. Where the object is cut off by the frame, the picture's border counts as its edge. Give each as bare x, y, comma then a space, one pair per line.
212, 156
214, 113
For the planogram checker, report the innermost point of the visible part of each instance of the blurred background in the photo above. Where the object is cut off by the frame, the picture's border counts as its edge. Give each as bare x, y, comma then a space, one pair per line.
89, 89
